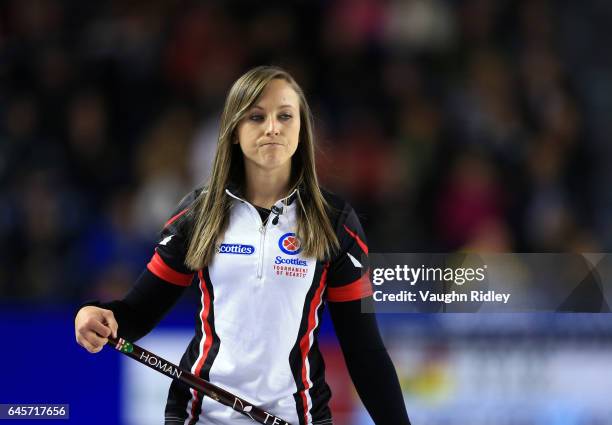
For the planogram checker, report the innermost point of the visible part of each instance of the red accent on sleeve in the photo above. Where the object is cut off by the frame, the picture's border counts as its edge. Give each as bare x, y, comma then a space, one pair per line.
355, 236
360, 288
176, 217
159, 268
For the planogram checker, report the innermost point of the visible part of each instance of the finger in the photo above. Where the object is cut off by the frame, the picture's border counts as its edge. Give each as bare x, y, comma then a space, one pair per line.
95, 349
109, 317
94, 324
95, 340
88, 346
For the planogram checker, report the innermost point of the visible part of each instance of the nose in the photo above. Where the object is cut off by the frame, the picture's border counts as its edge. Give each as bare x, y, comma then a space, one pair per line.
273, 127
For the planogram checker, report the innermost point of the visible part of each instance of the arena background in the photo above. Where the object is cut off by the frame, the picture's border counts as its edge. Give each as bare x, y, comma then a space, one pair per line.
449, 125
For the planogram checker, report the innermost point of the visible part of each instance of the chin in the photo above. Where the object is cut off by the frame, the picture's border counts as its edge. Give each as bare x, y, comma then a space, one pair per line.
272, 162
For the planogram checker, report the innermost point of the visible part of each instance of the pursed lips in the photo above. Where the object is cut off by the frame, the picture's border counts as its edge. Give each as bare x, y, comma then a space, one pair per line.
270, 144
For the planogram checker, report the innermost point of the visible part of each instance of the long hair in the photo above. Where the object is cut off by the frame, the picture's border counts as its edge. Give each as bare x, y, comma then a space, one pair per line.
211, 209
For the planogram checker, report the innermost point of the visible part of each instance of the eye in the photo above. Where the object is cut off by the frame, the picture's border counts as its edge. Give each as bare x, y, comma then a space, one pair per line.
256, 117
285, 116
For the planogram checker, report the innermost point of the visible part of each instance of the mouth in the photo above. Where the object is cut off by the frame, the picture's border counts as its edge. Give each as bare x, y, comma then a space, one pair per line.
270, 144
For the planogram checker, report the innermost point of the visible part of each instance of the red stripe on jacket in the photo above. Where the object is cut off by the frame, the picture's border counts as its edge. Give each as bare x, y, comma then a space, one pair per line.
355, 236
176, 217
159, 268
305, 341
207, 338
356, 290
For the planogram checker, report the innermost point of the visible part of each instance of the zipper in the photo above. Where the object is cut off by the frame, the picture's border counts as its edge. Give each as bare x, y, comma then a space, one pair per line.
262, 238
262, 230
262, 244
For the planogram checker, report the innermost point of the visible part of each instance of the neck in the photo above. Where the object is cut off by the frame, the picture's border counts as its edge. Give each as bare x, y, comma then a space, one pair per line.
265, 187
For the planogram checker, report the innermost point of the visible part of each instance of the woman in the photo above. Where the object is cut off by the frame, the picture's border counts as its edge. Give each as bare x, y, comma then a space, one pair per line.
268, 247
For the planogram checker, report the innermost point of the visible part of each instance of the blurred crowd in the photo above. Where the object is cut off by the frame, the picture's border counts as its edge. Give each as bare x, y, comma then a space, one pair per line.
448, 124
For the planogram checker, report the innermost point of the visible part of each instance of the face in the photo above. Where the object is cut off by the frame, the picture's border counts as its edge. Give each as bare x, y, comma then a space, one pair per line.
269, 132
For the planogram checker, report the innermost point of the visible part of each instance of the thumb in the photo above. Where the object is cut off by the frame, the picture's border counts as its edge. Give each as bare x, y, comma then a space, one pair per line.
109, 318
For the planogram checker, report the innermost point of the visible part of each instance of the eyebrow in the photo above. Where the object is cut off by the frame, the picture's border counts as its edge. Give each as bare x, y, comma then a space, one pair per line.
281, 106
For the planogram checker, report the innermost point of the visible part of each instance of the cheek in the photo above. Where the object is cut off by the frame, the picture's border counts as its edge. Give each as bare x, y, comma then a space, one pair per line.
295, 134
245, 138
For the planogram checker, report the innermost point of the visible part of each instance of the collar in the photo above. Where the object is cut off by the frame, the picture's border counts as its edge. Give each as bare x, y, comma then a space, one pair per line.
234, 191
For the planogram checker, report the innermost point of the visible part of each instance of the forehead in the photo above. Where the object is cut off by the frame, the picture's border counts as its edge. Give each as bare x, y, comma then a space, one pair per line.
277, 93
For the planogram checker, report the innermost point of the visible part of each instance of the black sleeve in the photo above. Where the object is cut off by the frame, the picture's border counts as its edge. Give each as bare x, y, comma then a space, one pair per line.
144, 306
348, 277
369, 363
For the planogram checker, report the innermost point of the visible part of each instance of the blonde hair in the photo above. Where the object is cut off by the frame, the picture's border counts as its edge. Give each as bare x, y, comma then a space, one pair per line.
211, 208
